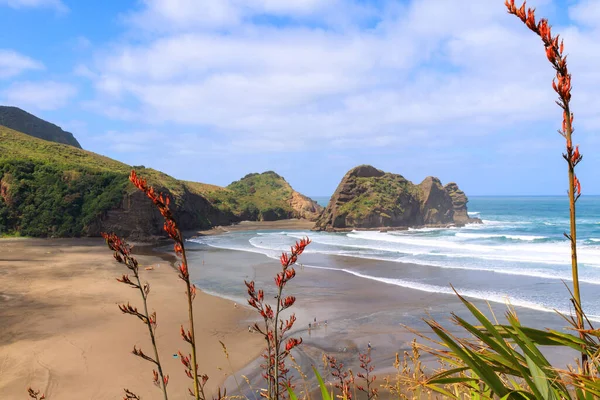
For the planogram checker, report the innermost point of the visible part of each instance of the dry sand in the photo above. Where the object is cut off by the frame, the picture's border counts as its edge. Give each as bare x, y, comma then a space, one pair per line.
61, 330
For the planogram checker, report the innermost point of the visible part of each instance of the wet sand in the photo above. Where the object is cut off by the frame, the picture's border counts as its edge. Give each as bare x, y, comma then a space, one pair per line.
357, 311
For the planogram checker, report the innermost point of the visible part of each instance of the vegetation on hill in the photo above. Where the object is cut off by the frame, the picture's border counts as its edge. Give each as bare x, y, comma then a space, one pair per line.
53, 189
22, 121
380, 195
263, 197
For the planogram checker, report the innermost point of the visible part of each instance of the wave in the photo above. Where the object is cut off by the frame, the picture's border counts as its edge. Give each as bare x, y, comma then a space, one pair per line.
492, 296
500, 236
409, 258
546, 253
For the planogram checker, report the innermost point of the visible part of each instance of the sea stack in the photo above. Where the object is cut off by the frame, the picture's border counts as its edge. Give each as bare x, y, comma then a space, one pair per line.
369, 198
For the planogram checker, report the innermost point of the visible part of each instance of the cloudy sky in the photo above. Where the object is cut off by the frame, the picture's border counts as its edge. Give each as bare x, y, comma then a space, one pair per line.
210, 90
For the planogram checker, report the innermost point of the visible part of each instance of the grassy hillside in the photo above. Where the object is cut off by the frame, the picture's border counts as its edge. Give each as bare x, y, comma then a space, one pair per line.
380, 194
52, 189
263, 196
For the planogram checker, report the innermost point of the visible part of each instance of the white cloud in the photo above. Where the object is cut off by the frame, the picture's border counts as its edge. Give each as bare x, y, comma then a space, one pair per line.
586, 12
58, 5
424, 70
13, 63
177, 15
44, 95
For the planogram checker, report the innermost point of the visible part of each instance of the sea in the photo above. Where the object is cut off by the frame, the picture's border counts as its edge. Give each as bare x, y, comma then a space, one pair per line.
517, 256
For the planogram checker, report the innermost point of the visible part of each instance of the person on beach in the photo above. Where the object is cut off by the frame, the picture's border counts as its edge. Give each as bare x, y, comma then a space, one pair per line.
369, 346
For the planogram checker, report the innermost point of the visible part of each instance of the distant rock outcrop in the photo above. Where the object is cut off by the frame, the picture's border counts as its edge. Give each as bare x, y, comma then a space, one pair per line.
369, 198
22, 121
261, 197
436, 204
459, 204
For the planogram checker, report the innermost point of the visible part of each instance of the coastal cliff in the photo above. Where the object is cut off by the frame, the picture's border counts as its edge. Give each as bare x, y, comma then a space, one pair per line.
369, 198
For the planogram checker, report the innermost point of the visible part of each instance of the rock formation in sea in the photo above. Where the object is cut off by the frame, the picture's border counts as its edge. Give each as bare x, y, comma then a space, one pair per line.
369, 198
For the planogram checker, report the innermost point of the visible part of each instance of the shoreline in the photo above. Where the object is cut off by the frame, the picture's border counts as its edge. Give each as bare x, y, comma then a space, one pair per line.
374, 312
253, 225
63, 334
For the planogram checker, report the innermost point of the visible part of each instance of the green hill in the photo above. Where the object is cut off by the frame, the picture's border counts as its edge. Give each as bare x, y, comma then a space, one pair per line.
262, 197
53, 189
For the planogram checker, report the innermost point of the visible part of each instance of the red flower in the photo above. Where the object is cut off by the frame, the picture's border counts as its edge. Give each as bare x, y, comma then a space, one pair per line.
577, 185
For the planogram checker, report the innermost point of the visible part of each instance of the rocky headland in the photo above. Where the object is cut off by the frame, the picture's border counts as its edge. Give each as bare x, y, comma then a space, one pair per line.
369, 198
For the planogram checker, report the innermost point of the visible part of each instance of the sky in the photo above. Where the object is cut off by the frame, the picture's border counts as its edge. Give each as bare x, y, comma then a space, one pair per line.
210, 90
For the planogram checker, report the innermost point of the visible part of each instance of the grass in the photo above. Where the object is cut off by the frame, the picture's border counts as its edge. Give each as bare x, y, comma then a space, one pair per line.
379, 194
263, 196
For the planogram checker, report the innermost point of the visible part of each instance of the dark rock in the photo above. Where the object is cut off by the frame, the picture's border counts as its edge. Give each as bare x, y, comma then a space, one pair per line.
459, 204
436, 204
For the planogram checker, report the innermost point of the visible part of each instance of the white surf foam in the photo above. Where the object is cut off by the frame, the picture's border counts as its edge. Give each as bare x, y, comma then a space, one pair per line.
494, 297
498, 235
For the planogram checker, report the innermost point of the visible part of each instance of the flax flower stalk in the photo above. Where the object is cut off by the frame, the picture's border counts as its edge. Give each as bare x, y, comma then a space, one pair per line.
562, 86
190, 362
122, 253
274, 327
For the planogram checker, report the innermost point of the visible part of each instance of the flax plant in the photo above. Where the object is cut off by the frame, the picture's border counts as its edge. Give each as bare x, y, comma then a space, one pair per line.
343, 378
275, 328
562, 86
190, 362
122, 253
366, 375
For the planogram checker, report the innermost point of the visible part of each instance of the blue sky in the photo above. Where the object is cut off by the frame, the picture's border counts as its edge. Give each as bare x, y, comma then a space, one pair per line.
212, 90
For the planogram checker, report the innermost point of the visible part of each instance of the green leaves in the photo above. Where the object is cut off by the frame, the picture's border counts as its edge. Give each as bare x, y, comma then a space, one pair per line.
505, 360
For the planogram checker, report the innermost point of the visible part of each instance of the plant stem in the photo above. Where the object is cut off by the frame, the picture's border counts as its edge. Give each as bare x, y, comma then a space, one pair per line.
188, 293
151, 331
276, 393
573, 235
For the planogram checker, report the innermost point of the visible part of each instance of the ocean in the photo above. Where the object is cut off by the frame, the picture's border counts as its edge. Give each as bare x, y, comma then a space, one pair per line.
517, 255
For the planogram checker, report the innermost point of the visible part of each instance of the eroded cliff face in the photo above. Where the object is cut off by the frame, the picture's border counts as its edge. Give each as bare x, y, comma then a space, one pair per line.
304, 207
436, 204
459, 204
137, 218
369, 198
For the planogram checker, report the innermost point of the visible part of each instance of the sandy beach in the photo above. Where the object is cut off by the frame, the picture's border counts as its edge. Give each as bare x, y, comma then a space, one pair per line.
62, 332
